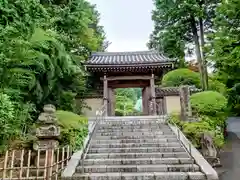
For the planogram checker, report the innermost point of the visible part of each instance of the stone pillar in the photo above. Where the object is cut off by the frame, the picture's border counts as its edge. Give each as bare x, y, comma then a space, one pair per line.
186, 110
153, 95
105, 94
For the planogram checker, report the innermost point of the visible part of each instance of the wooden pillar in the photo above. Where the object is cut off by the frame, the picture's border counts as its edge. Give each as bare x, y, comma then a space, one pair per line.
145, 98
111, 102
153, 95
105, 94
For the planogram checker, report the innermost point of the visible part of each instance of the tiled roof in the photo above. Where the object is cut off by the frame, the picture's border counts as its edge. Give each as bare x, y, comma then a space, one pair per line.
127, 58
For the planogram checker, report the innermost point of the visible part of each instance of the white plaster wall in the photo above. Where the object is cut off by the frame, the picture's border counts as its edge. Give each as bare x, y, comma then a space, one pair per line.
94, 104
173, 104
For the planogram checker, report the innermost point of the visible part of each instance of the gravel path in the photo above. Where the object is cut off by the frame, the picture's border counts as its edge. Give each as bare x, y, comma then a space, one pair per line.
230, 156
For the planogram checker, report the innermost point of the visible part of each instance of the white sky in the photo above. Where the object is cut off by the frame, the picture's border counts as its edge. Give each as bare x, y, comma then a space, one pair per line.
127, 23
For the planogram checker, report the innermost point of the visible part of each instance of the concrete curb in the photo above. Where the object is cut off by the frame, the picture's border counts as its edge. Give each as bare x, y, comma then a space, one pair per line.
206, 168
75, 159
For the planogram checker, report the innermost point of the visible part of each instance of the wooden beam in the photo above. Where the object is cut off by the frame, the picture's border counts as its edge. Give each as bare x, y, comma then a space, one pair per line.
129, 85
114, 78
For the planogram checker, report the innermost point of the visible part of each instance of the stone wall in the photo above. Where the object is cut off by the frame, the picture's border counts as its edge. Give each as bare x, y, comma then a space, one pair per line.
95, 104
173, 104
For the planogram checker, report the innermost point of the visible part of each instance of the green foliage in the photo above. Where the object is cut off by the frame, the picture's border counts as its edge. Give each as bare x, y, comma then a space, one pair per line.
42, 47
6, 119
125, 100
224, 50
194, 130
180, 24
234, 99
215, 85
208, 102
74, 129
184, 76
181, 77
225, 42
210, 107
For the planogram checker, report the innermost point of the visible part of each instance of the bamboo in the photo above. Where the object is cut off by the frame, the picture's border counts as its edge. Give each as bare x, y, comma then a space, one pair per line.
45, 165
62, 160
5, 164
67, 155
38, 159
21, 165
56, 171
12, 163
28, 163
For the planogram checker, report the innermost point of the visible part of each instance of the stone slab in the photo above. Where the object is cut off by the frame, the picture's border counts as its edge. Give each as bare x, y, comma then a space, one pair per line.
158, 140
140, 176
138, 168
137, 161
132, 145
138, 155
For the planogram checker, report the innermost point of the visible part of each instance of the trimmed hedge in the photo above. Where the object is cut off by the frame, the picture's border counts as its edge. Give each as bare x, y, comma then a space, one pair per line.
210, 107
179, 77
74, 129
194, 130
208, 103
185, 76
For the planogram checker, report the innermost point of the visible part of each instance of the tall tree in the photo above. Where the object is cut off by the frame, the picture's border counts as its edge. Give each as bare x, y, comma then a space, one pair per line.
184, 22
225, 46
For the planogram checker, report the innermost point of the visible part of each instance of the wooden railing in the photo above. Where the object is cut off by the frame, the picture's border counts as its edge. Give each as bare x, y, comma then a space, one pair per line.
29, 165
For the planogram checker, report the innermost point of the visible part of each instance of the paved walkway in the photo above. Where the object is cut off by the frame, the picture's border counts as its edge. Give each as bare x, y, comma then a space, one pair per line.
230, 156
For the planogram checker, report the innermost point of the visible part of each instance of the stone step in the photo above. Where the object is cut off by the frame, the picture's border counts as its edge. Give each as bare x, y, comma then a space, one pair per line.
133, 145
111, 141
134, 137
117, 124
142, 176
131, 123
138, 168
136, 150
138, 155
139, 161
132, 118
133, 133
131, 130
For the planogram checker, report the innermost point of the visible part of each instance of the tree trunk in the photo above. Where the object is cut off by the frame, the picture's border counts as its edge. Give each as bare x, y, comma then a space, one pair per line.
198, 51
202, 53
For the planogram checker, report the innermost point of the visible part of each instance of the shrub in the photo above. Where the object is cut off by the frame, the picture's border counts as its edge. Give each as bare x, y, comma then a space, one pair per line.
194, 130
74, 129
6, 120
208, 103
181, 77
234, 99
215, 85
187, 77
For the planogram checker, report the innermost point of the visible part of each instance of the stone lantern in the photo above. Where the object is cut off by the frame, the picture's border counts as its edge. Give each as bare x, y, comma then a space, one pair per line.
47, 130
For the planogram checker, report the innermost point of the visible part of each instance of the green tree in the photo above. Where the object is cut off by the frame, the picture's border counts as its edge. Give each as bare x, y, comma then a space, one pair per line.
42, 47
226, 42
177, 24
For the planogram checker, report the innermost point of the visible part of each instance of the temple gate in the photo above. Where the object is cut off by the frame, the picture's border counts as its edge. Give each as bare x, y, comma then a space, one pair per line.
129, 69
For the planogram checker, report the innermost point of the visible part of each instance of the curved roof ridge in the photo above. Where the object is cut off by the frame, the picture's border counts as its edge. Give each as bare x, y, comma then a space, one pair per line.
128, 58
125, 53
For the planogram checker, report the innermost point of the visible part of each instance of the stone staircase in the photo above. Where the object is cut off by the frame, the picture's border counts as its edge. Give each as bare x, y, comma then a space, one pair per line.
136, 148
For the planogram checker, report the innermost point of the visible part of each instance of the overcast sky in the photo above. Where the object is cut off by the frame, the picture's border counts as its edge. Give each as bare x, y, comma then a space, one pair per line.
127, 23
